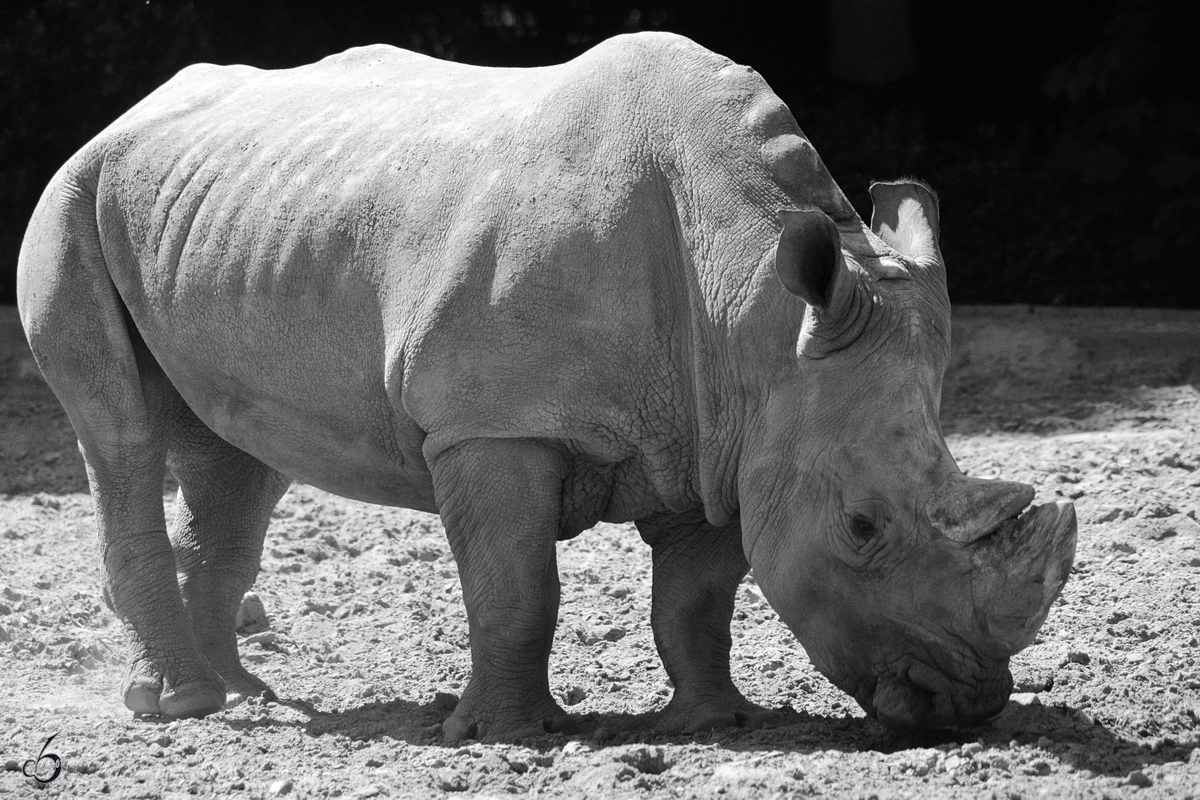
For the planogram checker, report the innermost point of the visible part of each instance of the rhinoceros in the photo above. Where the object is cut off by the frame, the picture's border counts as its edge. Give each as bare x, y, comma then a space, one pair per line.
620, 288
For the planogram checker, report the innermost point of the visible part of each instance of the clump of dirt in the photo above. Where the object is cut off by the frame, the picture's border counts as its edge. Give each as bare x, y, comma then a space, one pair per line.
365, 637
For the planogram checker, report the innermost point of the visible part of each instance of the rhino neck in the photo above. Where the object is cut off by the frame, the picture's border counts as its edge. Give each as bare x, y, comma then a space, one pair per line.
730, 156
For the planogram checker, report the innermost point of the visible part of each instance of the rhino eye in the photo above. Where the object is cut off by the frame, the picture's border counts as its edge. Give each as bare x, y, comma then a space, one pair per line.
863, 526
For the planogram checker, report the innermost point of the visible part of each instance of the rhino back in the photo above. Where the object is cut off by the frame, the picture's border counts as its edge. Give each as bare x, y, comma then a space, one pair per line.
348, 267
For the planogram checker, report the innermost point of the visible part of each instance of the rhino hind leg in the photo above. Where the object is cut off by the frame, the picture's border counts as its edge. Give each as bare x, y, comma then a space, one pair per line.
697, 569
223, 509
118, 402
500, 504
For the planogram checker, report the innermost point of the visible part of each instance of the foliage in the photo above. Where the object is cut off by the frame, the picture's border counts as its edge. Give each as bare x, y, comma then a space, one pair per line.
1086, 192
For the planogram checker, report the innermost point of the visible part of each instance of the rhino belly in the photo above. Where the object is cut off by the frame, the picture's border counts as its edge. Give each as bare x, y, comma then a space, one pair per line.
303, 390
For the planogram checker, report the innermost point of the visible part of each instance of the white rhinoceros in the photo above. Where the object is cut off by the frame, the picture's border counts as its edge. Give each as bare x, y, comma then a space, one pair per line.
622, 288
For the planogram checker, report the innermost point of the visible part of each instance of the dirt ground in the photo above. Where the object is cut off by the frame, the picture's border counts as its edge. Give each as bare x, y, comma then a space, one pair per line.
367, 643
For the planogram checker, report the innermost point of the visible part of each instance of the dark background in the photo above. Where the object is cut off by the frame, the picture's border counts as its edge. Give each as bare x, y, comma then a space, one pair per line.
1062, 137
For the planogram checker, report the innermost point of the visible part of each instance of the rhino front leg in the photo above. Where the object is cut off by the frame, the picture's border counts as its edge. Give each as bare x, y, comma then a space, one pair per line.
224, 507
500, 503
697, 569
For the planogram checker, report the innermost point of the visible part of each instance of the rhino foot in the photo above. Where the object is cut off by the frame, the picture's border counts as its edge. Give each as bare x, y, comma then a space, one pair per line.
691, 717
196, 696
506, 727
241, 685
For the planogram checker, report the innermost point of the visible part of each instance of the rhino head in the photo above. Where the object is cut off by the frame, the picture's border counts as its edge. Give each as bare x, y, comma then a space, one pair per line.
909, 584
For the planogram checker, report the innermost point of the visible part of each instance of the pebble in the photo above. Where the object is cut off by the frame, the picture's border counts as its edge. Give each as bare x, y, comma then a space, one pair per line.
46, 501
1139, 779
590, 635
1025, 699
280, 787
574, 746
266, 637
252, 614
1078, 657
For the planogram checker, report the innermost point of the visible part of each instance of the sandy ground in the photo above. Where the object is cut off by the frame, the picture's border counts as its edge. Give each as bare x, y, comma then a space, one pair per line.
367, 646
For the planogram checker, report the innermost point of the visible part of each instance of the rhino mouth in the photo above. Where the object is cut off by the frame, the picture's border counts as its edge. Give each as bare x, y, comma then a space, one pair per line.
920, 698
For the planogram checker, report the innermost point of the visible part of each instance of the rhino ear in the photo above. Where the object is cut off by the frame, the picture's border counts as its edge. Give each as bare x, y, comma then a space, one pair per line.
905, 216
808, 257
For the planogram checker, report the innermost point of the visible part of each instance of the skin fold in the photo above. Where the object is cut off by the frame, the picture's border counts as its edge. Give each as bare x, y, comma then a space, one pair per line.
620, 288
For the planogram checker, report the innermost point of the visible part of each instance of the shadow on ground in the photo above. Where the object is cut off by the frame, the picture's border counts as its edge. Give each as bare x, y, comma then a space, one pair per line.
1071, 736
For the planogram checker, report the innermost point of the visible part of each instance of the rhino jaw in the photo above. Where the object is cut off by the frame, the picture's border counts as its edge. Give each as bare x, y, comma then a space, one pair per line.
1019, 571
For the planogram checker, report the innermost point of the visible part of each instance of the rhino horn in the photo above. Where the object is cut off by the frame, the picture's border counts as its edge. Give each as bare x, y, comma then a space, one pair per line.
905, 215
965, 509
1021, 572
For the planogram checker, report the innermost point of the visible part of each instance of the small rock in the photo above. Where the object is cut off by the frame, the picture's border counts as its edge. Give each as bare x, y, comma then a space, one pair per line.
264, 638
1025, 699
313, 607
451, 781
617, 592
1085, 718
613, 633
753, 596
1078, 657
426, 552
1180, 525
316, 553
1175, 461
971, 748
5, 636
12, 766
252, 614
280, 787
1139, 779
330, 541
574, 746
46, 501
574, 696
370, 790
1159, 511
1044, 743
374, 762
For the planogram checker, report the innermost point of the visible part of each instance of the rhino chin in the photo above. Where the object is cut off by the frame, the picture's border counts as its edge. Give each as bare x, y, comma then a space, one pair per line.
900, 704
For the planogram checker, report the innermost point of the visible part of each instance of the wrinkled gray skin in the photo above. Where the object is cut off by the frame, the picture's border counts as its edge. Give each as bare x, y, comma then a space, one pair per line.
623, 288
